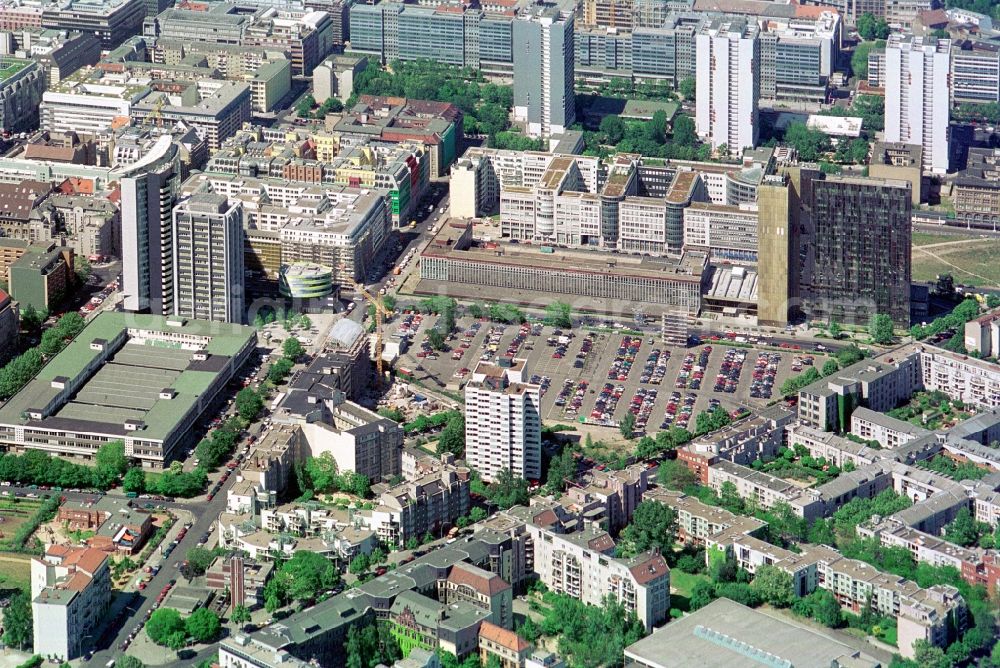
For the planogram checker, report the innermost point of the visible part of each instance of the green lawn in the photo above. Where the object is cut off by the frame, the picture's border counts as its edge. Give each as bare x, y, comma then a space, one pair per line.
927, 238
15, 571
681, 586
972, 263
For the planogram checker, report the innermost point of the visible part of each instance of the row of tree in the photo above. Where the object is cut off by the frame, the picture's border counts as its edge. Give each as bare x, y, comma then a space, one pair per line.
15, 374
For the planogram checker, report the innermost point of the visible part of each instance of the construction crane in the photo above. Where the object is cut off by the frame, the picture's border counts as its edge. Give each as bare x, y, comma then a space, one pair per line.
380, 312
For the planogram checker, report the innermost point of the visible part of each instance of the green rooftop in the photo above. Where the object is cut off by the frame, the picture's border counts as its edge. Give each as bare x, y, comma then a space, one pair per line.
129, 382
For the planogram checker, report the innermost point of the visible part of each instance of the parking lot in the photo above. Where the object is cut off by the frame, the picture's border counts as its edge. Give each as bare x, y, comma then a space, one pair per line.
596, 376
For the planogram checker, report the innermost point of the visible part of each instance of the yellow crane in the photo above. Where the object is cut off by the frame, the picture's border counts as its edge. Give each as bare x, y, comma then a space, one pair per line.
380, 312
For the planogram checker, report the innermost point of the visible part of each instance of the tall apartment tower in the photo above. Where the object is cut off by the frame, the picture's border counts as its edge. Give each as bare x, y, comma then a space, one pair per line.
148, 189
208, 258
544, 71
503, 426
727, 60
917, 94
859, 244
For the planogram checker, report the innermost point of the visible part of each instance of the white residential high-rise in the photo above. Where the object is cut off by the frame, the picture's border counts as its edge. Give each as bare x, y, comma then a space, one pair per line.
917, 95
544, 63
727, 56
148, 190
503, 426
208, 258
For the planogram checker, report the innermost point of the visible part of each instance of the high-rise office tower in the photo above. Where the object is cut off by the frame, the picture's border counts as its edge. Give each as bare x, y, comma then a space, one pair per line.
727, 57
503, 426
859, 260
544, 71
148, 188
777, 243
917, 94
208, 258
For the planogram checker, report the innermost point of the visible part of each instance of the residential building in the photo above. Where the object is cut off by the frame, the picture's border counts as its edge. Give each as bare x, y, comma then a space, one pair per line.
486, 590
728, 84
508, 648
116, 525
609, 497
208, 258
70, 599
436, 125
18, 201
412, 509
503, 428
358, 439
335, 76
917, 96
860, 241
543, 71
148, 189
43, 276
580, 564
757, 437
60, 53
888, 431
217, 109
977, 189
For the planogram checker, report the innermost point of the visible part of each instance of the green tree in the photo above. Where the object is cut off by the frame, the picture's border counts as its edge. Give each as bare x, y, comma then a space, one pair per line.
685, 134
199, 559
880, 328
825, 608
871, 28
834, 330
17, 622
688, 87
675, 475
811, 144
203, 625
962, 530
729, 497
452, 437
249, 404
412, 543
292, 349
773, 585
613, 129
359, 564
162, 624
627, 425
176, 641
240, 615
436, 339
558, 314
477, 514
930, 656
508, 490
279, 370
561, 469
830, 367
110, 463
304, 108
306, 575
653, 526
127, 661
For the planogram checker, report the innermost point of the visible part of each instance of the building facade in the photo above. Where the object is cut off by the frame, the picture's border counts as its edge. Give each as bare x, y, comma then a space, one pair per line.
917, 94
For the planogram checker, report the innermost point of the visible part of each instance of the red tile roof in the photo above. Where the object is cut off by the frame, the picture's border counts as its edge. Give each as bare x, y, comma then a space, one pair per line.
503, 637
650, 569
482, 581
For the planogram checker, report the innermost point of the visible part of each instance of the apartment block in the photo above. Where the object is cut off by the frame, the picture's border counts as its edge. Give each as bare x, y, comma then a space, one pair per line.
728, 57
42, 276
502, 421
609, 497
21, 87
888, 431
208, 259
827, 404
757, 437
917, 93
412, 509
697, 522
581, 565
765, 490
543, 70
70, 599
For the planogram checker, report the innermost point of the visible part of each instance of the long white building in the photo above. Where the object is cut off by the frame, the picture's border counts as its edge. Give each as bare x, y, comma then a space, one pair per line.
503, 427
917, 94
727, 57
